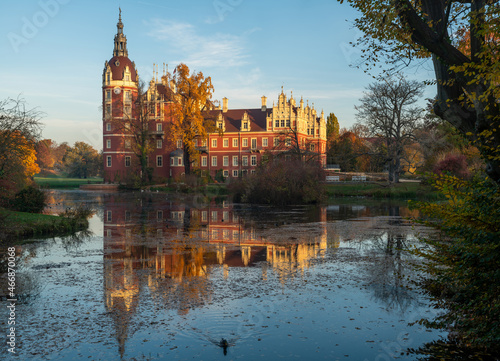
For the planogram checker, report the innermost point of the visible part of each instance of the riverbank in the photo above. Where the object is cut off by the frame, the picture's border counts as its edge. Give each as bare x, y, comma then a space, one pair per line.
57, 182
382, 190
373, 190
21, 225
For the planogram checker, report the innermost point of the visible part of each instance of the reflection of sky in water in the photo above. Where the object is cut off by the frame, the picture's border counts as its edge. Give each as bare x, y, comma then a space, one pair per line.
342, 300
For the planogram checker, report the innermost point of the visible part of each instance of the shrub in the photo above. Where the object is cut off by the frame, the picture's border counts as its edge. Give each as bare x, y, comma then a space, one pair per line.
281, 182
463, 266
30, 199
453, 164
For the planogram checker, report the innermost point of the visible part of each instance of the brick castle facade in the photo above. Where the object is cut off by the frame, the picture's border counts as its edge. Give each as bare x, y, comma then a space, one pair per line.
247, 134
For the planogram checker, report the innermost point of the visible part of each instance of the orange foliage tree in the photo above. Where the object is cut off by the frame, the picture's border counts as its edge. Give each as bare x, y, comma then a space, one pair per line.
19, 128
190, 113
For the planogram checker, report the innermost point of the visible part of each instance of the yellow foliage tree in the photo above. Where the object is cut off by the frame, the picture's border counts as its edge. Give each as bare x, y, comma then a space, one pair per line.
191, 112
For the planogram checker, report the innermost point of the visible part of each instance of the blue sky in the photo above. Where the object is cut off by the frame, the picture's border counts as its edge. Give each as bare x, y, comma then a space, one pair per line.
53, 53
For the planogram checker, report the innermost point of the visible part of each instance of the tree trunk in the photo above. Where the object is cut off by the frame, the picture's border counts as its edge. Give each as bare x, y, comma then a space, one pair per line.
187, 162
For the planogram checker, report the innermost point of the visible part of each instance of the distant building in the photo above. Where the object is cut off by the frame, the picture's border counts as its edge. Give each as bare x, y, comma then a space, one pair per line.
247, 134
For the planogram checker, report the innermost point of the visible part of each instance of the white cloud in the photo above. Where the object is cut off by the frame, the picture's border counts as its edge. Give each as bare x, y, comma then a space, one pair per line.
208, 50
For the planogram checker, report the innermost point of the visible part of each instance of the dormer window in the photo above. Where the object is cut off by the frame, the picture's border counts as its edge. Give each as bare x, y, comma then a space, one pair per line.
220, 125
245, 122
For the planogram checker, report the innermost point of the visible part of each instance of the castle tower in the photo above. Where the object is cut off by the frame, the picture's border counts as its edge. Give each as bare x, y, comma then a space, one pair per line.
119, 92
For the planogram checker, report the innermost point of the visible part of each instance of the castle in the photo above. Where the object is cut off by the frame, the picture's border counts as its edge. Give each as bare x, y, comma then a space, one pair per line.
235, 149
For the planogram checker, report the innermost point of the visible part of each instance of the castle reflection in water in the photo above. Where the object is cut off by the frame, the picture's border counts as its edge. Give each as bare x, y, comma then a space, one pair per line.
173, 248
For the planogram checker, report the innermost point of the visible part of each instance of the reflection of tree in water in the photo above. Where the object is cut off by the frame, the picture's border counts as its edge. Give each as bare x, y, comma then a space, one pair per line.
387, 263
447, 350
27, 284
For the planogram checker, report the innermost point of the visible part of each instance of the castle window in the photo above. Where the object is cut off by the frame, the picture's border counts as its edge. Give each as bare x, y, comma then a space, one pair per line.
282, 123
245, 142
108, 127
203, 161
225, 143
277, 123
108, 78
108, 161
235, 142
108, 109
159, 144
127, 77
225, 161
276, 142
214, 143
214, 161
288, 123
127, 161
254, 143
254, 160
245, 125
235, 173
159, 161
220, 125
127, 143
159, 127
244, 161
108, 94
235, 160
128, 94
108, 143
109, 216
264, 142
226, 173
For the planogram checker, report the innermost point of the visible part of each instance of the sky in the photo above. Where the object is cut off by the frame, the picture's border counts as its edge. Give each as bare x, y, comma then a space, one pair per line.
53, 54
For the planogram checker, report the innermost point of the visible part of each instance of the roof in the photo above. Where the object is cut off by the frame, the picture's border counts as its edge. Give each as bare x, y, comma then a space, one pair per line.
177, 153
233, 117
167, 93
118, 64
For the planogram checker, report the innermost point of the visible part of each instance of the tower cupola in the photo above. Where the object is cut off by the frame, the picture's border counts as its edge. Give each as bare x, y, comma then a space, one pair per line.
120, 39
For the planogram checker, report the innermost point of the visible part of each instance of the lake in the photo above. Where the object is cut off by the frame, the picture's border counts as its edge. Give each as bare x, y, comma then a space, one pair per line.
162, 277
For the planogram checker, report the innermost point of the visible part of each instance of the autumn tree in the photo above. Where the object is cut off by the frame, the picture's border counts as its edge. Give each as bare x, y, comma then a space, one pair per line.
348, 151
19, 129
467, 76
82, 161
388, 110
190, 112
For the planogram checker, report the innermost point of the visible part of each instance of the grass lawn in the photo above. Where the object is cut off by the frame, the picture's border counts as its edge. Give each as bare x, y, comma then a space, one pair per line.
62, 182
406, 190
20, 224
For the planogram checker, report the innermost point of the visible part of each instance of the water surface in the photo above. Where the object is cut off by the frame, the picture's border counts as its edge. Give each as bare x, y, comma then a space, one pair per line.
163, 278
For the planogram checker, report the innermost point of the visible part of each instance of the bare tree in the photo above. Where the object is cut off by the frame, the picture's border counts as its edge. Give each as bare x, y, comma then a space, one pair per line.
136, 127
388, 110
296, 147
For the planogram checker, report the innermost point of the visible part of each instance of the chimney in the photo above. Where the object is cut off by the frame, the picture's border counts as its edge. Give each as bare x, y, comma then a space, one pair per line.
264, 103
224, 104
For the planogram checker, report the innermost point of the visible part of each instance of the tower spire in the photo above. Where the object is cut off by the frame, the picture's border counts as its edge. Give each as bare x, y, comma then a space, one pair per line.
120, 39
